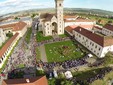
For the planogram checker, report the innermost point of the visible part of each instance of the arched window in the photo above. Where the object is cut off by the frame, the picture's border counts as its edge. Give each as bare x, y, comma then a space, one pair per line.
60, 4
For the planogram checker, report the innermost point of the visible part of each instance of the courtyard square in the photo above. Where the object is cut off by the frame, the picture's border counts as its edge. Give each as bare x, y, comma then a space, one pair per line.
62, 51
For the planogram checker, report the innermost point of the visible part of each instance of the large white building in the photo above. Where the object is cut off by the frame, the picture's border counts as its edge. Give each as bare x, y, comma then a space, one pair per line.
20, 27
6, 49
2, 37
18, 30
53, 23
78, 21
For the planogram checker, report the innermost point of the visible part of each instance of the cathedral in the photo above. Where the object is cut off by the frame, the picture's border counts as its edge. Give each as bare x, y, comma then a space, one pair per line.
53, 24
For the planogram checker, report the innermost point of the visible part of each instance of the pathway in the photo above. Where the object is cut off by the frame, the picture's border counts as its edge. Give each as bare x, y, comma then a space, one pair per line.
43, 53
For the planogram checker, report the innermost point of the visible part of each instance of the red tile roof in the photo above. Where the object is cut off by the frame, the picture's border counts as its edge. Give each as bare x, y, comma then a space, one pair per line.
32, 81
92, 36
109, 27
67, 16
102, 41
8, 43
70, 28
15, 26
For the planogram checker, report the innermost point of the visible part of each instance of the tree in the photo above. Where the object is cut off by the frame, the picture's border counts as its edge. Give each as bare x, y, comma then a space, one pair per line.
109, 22
16, 18
66, 82
52, 82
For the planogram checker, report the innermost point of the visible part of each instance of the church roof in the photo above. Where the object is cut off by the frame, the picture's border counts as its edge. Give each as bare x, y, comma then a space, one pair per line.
47, 16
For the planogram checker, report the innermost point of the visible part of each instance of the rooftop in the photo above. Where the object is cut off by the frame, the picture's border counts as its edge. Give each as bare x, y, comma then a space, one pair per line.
15, 26
8, 43
24, 81
102, 41
109, 27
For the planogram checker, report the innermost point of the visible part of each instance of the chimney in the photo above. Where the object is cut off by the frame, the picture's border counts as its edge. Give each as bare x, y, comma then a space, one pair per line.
93, 31
27, 80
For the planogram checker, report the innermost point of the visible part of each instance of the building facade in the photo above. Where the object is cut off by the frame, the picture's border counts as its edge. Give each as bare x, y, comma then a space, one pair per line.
94, 42
53, 24
2, 37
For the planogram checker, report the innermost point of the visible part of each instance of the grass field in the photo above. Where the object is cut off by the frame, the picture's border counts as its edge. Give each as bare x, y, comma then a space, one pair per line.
105, 81
38, 54
28, 35
61, 51
40, 37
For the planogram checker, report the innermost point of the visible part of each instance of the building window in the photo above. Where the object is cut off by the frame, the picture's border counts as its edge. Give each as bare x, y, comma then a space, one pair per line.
48, 32
96, 46
93, 44
60, 4
90, 43
99, 48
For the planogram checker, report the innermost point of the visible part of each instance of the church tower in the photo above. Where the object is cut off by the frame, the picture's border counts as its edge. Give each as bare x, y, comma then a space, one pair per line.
60, 19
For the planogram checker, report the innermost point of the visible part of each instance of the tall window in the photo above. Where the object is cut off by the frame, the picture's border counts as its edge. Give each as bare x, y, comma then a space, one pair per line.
60, 4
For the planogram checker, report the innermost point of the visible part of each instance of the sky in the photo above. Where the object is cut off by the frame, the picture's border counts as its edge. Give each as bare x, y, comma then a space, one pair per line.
9, 6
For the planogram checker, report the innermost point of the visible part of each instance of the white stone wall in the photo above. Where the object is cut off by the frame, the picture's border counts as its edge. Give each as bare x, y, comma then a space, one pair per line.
2, 36
47, 29
78, 23
106, 50
7, 52
60, 19
107, 32
89, 44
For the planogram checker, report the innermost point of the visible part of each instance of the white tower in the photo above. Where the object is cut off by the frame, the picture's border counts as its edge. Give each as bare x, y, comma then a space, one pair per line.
60, 19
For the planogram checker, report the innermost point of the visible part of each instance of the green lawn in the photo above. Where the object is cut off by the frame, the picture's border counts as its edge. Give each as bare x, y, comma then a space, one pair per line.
61, 51
28, 35
40, 37
83, 75
21, 66
37, 54
63, 35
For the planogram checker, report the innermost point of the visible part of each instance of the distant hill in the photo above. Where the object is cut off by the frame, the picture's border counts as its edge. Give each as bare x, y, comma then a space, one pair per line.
69, 10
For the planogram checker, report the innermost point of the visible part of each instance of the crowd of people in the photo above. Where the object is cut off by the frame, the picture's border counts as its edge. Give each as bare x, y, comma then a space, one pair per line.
53, 40
66, 64
99, 75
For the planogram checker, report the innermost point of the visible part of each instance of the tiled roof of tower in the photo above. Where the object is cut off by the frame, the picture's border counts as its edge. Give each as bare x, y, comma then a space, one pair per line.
15, 26
8, 43
30, 81
109, 27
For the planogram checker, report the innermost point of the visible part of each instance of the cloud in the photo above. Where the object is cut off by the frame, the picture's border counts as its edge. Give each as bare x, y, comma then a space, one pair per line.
9, 6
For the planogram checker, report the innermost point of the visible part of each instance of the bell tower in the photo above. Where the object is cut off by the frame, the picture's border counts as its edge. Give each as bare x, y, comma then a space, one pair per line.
60, 19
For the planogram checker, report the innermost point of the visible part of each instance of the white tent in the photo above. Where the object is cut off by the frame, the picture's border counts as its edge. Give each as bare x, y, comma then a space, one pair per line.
68, 74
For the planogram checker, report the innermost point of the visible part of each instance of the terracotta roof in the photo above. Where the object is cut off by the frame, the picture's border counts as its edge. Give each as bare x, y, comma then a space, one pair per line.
31, 81
102, 41
108, 40
47, 17
109, 27
15, 26
67, 16
70, 28
8, 43
92, 36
